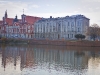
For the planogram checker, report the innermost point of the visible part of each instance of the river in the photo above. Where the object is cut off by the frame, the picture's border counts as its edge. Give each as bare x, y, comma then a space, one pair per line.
49, 60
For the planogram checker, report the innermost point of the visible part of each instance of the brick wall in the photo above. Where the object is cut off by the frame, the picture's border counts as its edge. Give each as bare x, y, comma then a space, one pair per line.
66, 43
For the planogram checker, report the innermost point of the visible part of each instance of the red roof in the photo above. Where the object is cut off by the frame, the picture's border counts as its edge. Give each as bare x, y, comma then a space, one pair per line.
32, 19
29, 20
1, 22
9, 21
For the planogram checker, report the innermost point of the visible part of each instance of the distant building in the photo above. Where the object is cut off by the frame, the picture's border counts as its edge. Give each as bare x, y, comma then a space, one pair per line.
61, 27
43, 28
18, 28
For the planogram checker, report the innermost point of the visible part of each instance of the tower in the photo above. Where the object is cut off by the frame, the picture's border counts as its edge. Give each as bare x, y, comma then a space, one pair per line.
3, 20
6, 16
23, 17
16, 19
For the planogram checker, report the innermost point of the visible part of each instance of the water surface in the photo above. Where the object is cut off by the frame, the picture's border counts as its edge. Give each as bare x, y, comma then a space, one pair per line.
49, 60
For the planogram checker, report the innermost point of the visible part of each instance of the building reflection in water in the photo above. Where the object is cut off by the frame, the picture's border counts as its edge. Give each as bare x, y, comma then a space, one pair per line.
46, 57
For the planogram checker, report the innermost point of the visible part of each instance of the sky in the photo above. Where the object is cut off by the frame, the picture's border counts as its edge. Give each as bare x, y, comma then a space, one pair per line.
54, 8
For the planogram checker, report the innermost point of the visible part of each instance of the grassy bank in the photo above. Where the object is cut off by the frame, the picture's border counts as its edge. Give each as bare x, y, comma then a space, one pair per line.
15, 41
52, 42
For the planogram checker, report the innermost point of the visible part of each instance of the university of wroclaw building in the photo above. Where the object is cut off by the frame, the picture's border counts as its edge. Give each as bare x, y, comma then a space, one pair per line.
18, 28
31, 27
61, 27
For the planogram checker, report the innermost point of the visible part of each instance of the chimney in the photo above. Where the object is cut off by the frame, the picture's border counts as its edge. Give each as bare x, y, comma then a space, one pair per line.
50, 17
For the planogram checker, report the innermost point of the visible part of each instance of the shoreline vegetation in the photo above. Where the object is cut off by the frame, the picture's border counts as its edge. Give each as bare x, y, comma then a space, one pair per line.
12, 41
83, 43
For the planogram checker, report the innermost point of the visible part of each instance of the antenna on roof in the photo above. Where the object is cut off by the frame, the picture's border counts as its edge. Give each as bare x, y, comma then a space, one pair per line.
23, 11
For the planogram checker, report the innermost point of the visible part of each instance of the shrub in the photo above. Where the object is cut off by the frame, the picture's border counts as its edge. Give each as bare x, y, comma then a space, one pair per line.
3, 39
80, 36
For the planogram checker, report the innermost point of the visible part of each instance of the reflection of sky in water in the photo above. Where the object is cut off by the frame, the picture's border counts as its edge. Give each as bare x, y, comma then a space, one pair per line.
48, 60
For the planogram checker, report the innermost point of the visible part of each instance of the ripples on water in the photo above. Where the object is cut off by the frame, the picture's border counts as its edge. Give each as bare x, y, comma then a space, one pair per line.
49, 60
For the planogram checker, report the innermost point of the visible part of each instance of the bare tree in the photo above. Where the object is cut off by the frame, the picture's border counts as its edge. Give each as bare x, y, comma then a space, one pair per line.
94, 31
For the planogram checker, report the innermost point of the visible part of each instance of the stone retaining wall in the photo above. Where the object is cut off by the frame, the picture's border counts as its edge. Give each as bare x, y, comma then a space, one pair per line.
66, 43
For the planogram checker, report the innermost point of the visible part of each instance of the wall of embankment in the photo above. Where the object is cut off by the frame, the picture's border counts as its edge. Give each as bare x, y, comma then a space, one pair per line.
65, 43
55, 42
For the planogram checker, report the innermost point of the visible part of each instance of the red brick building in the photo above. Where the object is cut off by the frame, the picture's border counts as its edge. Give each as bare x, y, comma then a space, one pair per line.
18, 28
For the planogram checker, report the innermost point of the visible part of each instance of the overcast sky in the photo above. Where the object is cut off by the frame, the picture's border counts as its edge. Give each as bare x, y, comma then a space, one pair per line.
55, 8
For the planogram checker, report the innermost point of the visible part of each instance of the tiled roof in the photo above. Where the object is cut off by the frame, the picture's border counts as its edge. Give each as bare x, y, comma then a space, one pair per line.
29, 20
9, 21
32, 19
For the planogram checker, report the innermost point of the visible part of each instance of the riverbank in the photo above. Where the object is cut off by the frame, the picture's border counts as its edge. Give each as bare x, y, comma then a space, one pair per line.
66, 43
53, 42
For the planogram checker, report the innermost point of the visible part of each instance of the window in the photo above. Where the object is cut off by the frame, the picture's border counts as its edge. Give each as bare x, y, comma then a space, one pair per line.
64, 29
47, 23
59, 27
50, 28
72, 29
68, 35
78, 23
53, 28
78, 29
72, 35
68, 23
72, 24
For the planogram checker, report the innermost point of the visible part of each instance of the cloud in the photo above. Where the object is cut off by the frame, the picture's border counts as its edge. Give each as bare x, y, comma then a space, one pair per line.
88, 6
49, 5
35, 6
14, 8
47, 15
3, 1
90, 9
91, 0
93, 16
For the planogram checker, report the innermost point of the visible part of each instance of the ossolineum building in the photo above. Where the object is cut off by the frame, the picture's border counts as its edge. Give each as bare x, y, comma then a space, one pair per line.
61, 27
18, 28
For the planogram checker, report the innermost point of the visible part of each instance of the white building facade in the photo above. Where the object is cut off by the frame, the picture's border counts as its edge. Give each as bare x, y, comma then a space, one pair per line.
61, 27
